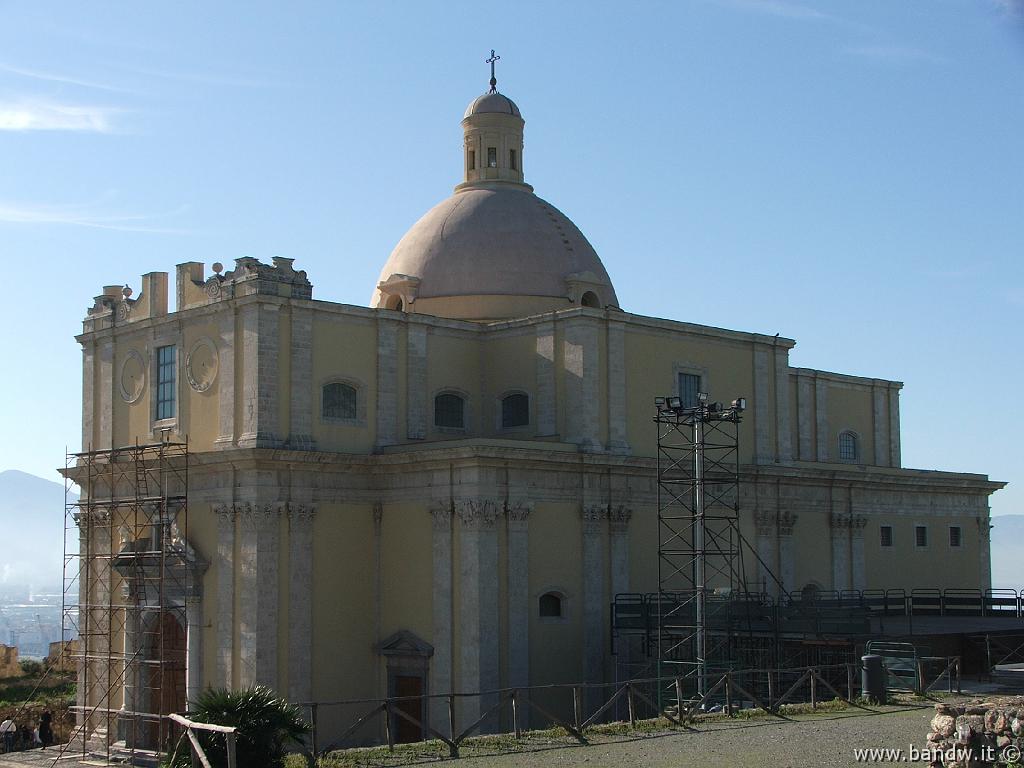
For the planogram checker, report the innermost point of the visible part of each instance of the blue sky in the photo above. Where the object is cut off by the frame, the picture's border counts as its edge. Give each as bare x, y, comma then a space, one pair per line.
848, 174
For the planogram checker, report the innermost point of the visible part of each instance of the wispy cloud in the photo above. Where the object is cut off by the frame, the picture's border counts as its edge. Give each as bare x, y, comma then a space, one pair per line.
52, 77
86, 215
33, 114
781, 8
892, 53
210, 78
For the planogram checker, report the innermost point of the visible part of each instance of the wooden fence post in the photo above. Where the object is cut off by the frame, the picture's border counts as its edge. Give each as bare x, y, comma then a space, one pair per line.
577, 705
771, 689
728, 694
679, 698
814, 689
387, 725
515, 715
849, 683
629, 702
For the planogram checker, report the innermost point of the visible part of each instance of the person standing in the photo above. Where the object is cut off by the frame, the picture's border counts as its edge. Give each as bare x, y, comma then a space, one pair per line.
46, 728
8, 729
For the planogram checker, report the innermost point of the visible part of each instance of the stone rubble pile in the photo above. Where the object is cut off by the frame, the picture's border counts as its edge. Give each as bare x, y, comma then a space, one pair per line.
977, 734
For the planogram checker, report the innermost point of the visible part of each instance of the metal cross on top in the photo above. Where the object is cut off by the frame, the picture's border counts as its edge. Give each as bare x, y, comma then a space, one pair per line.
494, 81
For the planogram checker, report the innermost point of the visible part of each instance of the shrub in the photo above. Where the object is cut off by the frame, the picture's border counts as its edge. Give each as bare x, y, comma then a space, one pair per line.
31, 667
266, 725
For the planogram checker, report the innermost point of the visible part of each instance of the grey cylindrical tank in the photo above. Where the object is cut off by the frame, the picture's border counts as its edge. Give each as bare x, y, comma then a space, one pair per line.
872, 679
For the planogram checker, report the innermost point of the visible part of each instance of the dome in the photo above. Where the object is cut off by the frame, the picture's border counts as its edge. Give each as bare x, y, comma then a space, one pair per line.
502, 241
492, 102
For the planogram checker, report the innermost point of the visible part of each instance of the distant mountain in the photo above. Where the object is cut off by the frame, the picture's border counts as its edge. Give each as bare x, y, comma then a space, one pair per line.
31, 532
1007, 548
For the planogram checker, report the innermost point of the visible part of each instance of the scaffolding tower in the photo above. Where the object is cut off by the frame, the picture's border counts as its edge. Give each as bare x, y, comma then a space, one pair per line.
127, 582
702, 586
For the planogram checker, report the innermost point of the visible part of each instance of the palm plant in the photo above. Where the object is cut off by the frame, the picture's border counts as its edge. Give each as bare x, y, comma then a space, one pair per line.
266, 725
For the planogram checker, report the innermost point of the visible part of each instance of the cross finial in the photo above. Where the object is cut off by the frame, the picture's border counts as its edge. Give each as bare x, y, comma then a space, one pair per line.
494, 81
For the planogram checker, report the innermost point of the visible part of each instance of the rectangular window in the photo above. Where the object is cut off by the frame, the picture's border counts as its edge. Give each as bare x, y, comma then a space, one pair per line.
921, 535
165, 382
689, 386
956, 536
512, 160
885, 535
492, 157
472, 159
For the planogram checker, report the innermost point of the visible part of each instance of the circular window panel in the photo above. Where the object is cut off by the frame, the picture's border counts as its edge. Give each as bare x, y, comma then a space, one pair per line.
201, 365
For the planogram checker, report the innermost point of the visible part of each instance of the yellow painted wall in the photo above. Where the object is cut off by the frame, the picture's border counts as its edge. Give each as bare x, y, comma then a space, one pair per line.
453, 361
851, 409
344, 348
936, 566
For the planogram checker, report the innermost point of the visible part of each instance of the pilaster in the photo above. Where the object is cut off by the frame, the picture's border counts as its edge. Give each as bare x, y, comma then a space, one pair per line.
985, 550
441, 663
226, 515
546, 388
858, 572
260, 330
416, 381
258, 620
226, 375
105, 433
478, 612
821, 419
592, 518
517, 516
787, 560
880, 423
805, 419
840, 525
617, 396
300, 604
762, 406
783, 427
300, 418
387, 382
88, 394
767, 550
581, 359
895, 459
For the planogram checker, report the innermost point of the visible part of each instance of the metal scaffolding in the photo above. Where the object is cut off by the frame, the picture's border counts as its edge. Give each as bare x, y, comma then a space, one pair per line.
700, 568
127, 580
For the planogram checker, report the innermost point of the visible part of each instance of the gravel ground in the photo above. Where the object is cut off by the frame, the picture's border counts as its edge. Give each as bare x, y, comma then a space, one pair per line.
821, 741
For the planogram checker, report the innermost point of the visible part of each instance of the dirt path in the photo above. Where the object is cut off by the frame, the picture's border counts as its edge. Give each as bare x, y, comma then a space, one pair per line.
816, 742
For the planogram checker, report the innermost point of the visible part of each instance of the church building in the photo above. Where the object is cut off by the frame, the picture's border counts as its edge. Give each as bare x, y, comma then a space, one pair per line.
445, 490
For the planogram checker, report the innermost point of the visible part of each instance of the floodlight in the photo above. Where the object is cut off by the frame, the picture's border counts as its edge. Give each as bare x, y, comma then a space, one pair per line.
659, 402
702, 397
739, 404
675, 402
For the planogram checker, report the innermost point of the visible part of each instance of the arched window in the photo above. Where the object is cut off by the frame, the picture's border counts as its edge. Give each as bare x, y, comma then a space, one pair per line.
450, 411
515, 410
550, 605
339, 401
394, 302
848, 448
589, 299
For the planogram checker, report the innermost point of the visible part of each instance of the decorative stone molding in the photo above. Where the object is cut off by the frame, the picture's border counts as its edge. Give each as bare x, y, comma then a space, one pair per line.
766, 522
787, 521
477, 514
301, 512
201, 365
397, 288
618, 518
518, 514
857, 523
840, 520
592, 517
132, 381
441, 512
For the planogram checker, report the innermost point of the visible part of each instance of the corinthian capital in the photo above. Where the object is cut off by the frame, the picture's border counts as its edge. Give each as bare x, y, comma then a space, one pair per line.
592, 517
441, 514
518, 513
619, 517
477, 514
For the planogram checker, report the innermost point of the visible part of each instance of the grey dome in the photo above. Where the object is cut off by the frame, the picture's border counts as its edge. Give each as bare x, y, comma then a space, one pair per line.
495, 240
492, 102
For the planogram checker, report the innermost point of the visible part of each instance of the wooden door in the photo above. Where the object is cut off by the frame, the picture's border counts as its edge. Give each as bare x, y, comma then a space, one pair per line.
408, 685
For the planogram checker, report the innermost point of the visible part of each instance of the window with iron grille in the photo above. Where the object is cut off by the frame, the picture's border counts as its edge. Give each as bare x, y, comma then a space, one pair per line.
515, 410
165, 382
956, 536
921, 535
848, 449
492, 157
339, 401
885, 535
450, 411
689, 386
